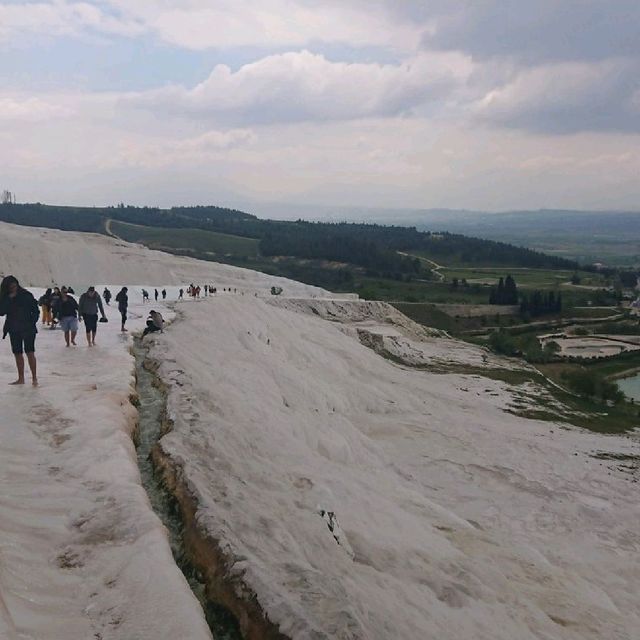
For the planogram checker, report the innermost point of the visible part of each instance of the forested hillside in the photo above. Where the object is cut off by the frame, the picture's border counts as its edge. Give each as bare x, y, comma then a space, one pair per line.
370, 246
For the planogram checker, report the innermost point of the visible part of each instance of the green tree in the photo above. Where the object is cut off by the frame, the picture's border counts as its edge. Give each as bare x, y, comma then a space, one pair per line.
510, 291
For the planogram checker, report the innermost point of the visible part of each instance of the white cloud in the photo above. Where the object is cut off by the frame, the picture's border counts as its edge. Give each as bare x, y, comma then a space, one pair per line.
153, 152
218, 24
202, 24
31, 109
300, 86
472, 121
60, 18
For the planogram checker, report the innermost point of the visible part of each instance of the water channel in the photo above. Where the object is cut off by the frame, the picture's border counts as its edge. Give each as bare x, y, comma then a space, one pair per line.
151, 408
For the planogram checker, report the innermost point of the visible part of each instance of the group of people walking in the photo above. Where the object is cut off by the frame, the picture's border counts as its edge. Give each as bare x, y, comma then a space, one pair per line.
59, 307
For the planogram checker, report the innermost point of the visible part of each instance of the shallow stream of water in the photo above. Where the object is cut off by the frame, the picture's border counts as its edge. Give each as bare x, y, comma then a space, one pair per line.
150, 413
630, 386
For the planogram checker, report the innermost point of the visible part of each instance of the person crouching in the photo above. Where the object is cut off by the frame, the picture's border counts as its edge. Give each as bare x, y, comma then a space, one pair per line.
155, 322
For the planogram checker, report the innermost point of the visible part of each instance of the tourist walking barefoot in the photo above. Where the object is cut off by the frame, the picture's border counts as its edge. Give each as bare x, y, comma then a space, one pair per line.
90, 304
45, 305
21, 311
123, 304
68, 313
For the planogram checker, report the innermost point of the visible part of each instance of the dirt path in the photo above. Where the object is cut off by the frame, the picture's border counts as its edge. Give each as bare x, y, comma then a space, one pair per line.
109, 231
434, 266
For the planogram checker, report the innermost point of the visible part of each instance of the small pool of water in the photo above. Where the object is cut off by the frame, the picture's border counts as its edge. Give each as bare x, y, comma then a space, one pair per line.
222, 623
630, 386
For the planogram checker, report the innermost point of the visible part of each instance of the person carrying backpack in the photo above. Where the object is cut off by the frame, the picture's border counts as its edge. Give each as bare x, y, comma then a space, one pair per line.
21, 324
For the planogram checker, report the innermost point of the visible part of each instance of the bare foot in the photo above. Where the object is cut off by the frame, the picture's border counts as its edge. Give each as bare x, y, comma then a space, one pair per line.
18, 381
74, 344
34, 382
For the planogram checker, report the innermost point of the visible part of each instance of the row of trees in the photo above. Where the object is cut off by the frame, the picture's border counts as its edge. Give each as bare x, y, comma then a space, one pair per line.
322, 244
534, 304
540, 303
505, 293
593, 385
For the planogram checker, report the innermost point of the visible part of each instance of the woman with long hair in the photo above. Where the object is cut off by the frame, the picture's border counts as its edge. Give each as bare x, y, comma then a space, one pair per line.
21, 324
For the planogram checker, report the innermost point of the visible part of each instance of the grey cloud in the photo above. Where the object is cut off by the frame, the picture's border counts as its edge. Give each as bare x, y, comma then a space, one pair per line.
535, 31
568, 98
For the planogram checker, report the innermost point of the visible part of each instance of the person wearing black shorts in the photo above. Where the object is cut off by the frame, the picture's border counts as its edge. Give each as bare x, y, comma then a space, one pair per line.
89, 305
21, 311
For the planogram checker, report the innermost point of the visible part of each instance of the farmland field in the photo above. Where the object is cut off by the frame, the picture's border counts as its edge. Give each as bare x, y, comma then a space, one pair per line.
186, 240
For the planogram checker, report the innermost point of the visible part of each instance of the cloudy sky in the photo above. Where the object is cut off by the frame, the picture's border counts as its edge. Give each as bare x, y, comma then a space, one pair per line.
483, 104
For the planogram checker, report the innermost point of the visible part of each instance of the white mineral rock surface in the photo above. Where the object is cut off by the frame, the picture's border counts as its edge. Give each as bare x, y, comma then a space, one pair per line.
451, 518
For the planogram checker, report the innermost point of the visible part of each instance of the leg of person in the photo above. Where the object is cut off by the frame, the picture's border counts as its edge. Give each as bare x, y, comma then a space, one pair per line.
30, 350
74, 330
31, 357
123, 314
20, 366
148, 329
64, 325
91, 327
16, 348
87, 329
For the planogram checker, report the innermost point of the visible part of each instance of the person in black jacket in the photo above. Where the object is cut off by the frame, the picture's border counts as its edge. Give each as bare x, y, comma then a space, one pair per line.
54, 302
21, 310
123, 304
